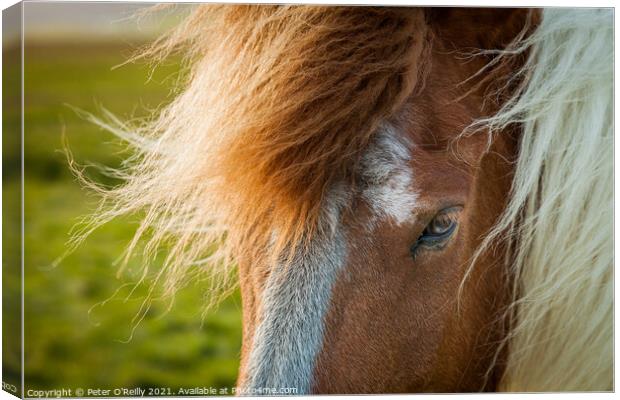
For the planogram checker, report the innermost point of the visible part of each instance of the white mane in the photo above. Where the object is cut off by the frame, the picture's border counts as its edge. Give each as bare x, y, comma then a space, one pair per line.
559, 220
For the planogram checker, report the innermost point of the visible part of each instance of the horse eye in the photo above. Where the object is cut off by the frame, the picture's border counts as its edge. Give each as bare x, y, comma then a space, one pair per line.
438, 230
440, 225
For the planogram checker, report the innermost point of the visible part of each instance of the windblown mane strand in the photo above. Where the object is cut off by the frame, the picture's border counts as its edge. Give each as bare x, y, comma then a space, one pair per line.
558, 222
279, 105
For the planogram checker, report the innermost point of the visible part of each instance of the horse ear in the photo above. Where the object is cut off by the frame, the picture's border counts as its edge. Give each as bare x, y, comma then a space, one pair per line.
480, 28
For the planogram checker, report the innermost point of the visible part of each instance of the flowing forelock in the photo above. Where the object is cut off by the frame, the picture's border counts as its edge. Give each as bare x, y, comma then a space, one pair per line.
279, 105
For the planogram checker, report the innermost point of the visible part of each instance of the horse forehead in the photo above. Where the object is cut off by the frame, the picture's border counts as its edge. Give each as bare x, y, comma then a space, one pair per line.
296, 298
388, 175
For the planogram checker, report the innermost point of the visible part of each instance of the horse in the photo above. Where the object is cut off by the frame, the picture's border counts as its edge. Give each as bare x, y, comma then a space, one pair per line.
411, 199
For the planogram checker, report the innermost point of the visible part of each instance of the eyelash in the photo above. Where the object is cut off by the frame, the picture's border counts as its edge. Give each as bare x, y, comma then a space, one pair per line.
432, 240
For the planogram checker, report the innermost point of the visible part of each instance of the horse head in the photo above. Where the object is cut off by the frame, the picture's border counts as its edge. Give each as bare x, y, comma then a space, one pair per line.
374, 173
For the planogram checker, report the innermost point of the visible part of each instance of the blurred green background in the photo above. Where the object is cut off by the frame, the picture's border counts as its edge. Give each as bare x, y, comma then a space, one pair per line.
78, 315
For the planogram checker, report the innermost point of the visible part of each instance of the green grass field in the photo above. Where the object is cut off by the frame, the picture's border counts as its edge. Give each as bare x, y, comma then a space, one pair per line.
71, 339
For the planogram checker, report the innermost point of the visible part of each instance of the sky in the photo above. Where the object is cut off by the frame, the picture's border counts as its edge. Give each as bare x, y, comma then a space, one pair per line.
61, 20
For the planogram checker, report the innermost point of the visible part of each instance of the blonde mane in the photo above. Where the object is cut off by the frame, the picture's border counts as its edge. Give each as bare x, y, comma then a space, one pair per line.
559, 219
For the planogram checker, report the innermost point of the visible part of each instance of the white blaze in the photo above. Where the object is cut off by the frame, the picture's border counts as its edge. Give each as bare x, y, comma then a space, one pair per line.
296, 297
